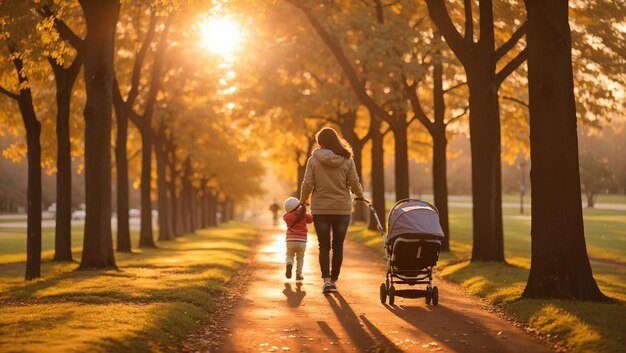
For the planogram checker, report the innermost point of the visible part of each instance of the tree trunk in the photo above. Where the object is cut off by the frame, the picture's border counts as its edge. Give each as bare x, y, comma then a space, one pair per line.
440, 186
184, 196
101, 18
378, 173
187, 202
192, 207
440, 144
300, 176
203, 205
401, 158
488, 242
33, 231
212, 210
63, 226
591, 200
165, 232
33, 132
347, 124
121, 165
559, 263
360, 208
146, 237
174, 211
231, 209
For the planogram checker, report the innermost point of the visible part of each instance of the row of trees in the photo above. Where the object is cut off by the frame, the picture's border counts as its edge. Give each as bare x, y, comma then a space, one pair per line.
140, 61
414, 69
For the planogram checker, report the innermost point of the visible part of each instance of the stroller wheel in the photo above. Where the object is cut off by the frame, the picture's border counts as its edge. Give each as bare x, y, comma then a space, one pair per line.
435, 295
392, 295
383, 293
429, 295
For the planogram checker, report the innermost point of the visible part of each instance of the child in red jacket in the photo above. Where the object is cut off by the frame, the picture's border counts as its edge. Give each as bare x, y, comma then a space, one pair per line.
296, 219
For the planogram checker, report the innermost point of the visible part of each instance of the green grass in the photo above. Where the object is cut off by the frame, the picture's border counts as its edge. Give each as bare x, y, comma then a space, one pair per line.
13, 243
581, 327
151, 303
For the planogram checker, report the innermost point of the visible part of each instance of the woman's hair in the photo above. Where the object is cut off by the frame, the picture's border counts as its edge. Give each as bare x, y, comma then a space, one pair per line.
327, 138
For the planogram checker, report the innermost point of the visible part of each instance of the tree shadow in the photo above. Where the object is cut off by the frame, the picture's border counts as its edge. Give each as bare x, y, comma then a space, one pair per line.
294, 298
456, 332
327, 330
363, 340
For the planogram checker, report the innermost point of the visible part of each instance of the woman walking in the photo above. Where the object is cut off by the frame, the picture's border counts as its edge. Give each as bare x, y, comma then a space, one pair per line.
330, 175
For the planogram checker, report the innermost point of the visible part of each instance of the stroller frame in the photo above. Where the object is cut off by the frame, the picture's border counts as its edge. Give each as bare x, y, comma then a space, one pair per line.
423, 276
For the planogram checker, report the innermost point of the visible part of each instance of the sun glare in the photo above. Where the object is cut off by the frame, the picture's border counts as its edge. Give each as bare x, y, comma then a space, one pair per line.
220, 36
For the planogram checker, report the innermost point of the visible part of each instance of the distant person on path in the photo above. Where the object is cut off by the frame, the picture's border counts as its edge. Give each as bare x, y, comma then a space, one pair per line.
330, 175
296, 219
274, 208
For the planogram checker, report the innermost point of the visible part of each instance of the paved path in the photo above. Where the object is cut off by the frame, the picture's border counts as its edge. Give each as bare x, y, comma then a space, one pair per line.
276, 314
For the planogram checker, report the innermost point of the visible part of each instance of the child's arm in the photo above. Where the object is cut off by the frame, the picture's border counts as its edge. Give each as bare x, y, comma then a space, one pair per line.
308, 218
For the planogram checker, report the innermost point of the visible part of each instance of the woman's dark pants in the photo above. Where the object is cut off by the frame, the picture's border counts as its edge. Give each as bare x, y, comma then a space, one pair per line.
323, 226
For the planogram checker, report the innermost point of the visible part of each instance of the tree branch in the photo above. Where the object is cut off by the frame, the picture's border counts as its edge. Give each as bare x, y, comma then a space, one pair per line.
469, 22
506, 47
518, 101
64, 30
439, 14
457, 117
418, 111
454, 87
9, 93
511, 66
139, 59
335, 48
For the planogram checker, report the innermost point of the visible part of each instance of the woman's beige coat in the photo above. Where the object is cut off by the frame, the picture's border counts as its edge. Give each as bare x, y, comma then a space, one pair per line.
330, 178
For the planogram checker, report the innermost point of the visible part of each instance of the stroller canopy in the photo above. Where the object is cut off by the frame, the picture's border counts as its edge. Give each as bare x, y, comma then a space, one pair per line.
414, 217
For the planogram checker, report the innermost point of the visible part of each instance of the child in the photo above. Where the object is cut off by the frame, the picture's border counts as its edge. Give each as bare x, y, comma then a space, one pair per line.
296, 219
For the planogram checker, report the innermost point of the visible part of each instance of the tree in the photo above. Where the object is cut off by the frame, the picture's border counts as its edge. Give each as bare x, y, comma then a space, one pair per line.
33, 130
480, 59
24, 45
559, 263
595, 176
101, 18
123, 110
65, 78
392, 110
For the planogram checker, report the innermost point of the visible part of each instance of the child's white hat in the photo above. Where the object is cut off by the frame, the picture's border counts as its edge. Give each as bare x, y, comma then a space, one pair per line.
291, 203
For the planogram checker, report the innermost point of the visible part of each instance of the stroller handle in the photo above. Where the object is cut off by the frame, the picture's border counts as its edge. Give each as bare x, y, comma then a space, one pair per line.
373, 211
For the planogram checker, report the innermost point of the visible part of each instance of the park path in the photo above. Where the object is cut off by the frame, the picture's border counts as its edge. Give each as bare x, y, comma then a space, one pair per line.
275, 314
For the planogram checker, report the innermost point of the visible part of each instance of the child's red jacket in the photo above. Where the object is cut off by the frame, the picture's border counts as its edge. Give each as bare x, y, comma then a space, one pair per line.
297, 232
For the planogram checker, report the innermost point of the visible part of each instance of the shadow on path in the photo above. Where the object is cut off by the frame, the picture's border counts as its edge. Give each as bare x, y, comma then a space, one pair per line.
455, 334
374, 341
294, 298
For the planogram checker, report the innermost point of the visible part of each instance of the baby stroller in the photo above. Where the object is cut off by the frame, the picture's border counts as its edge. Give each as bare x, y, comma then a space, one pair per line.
412, 247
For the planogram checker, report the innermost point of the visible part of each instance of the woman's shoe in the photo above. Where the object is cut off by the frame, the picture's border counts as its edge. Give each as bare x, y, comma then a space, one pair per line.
326, 288
333, 287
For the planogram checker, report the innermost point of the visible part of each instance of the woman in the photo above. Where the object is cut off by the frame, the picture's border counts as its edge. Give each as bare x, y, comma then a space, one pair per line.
330, 175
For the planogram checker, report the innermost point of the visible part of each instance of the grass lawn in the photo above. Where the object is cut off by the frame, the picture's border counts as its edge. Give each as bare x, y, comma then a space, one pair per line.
13, 243
582, 327
150, 304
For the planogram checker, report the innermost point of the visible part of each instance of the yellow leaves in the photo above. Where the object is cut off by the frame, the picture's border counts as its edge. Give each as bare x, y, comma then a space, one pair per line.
15, 152
163, 8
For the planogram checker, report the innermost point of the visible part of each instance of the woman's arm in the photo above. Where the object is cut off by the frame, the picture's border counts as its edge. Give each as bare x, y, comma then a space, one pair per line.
353, 180
308, 182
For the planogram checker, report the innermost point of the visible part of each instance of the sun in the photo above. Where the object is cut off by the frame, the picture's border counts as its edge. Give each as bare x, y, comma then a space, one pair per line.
221, 36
